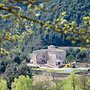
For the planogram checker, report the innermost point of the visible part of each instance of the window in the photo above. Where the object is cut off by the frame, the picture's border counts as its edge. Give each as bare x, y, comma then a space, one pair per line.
58, 63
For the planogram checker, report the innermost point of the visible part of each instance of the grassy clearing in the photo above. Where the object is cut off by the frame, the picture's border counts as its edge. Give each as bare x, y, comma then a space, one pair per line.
39, 78
49, 70
58, 71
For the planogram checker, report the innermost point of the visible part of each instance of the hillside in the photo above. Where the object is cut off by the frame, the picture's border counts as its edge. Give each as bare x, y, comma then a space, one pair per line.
75, 10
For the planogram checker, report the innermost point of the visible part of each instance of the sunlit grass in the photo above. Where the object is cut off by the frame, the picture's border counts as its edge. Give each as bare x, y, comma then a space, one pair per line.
49, 70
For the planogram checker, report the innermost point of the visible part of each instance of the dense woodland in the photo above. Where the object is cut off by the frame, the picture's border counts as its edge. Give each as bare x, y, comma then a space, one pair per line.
27, 25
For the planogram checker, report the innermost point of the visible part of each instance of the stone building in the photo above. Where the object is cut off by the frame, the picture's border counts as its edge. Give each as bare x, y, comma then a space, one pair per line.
51, 57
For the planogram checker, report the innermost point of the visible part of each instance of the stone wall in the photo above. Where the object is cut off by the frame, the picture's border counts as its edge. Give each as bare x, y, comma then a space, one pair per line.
51, 56
42, 57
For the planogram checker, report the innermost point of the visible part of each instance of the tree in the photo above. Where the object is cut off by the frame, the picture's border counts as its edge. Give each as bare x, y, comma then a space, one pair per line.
3, 84
2, 67
14, 70
82, 55
88, 84
17, 60
74, 80
22, 83
70, 51
70, 58
77, 51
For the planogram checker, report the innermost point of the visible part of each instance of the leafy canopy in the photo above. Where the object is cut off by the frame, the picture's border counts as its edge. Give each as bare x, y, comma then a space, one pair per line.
22, 83
3, 84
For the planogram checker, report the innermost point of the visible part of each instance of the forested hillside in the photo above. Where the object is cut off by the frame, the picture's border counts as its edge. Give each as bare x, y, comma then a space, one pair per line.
41, 38
75, 9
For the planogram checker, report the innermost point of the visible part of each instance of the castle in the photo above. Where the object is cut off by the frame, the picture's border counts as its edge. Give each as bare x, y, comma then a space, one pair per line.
51, 57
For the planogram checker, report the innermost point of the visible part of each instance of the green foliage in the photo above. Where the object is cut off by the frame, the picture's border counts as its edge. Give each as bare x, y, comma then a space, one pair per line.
70, 58
14, 70
2, 67
3, 52
59, 84
3, 84
82, 56
22, 83
73, 80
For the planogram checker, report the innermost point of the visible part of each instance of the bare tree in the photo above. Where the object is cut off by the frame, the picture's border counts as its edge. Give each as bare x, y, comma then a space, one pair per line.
43, 85
58, 83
